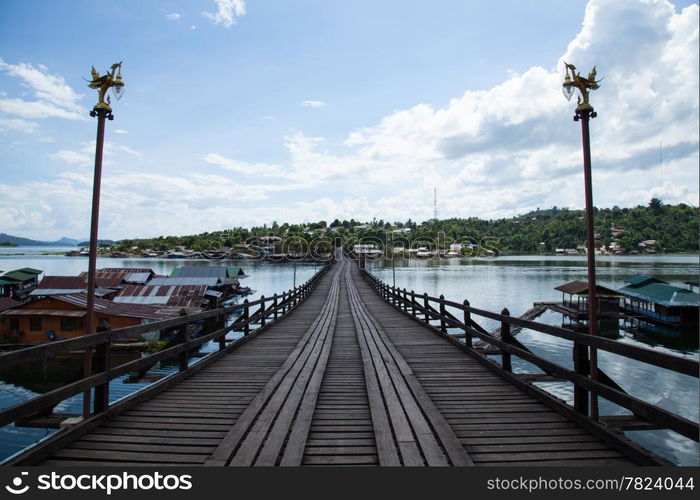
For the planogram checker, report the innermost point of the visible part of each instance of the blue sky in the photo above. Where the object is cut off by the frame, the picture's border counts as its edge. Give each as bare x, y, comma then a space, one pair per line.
239, 112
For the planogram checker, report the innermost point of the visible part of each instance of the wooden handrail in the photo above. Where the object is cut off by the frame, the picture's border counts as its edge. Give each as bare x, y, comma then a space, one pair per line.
662, 360
653, 414
48, 400
13, 358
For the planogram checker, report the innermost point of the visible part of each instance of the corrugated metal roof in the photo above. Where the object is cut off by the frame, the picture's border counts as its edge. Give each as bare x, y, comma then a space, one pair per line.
30, 270
45, 312
642, 279
113, 308
219, 272
205, 281
126, 270
50, 292
663, 294
137, 277
62, 282
46, 292
579, 287
173, 295
111, 277
18, 276
8, 303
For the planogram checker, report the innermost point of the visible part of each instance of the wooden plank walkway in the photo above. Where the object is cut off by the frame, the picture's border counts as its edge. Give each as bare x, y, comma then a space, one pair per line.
344, 379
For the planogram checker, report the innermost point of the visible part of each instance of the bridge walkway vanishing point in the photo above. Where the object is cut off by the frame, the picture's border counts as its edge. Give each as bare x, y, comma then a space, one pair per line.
344, 379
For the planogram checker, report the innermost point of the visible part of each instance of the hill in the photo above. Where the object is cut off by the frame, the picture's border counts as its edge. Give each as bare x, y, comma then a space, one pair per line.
671, 228
26, 242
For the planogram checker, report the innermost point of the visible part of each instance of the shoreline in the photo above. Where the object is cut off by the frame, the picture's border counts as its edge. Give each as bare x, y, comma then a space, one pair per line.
524, 254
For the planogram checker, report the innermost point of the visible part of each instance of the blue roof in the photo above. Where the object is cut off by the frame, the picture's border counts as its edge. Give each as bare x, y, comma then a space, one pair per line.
663, 294
642, 279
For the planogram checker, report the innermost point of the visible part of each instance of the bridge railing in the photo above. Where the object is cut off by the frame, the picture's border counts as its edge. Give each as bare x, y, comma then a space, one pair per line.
432, 311
255, 315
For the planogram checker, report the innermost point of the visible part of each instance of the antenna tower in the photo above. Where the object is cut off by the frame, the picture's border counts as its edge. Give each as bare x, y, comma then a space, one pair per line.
435, 204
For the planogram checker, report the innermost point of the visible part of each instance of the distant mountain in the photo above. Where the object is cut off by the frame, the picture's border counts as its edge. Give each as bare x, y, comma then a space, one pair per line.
26, 242
101, 243
69, 242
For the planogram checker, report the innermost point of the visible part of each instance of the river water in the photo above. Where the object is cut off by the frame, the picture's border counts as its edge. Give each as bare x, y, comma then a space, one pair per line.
514, 282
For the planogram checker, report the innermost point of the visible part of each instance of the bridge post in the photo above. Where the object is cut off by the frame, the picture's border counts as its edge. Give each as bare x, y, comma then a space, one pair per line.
507, 338
467, 322
284, 304
221, 323
181, 338
443, 324
101, 364
87, 371
245, 316
274, 305
582, 367
425, 305
413, 303
405, 300
262, 310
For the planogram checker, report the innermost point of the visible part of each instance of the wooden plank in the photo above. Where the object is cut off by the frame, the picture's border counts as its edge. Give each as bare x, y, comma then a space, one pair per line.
403, 412
303, 400
280, 410
225, 451
180, 448
130, 456
414, 399
386, 448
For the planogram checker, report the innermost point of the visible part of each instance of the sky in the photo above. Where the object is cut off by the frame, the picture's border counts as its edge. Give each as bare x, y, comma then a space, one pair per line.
244, 112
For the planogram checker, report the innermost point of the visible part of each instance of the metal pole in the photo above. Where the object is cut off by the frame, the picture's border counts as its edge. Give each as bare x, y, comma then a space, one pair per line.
585, 115
295, 274
393, 256
102, 115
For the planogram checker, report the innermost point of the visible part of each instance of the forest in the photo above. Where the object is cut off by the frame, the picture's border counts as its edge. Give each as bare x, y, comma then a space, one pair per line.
673, 228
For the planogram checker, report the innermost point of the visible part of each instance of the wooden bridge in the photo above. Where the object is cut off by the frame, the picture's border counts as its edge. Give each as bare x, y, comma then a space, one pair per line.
345, 370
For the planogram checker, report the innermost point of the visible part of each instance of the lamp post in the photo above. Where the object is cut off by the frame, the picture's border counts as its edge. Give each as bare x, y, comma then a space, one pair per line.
393, 258
584, 113
102, 111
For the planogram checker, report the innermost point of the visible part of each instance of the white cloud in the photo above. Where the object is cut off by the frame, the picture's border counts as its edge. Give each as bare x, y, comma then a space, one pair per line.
313, 104
72, 157
86, 154
490, 153
54, 98
257, 169
18, 124
173, 16
228, 11
121, 131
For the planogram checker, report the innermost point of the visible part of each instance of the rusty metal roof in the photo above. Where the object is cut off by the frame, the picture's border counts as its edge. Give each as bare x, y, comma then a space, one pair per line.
126, 270
114, 309
190, 296
63, 282
110, 277
73, 313
8, 303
